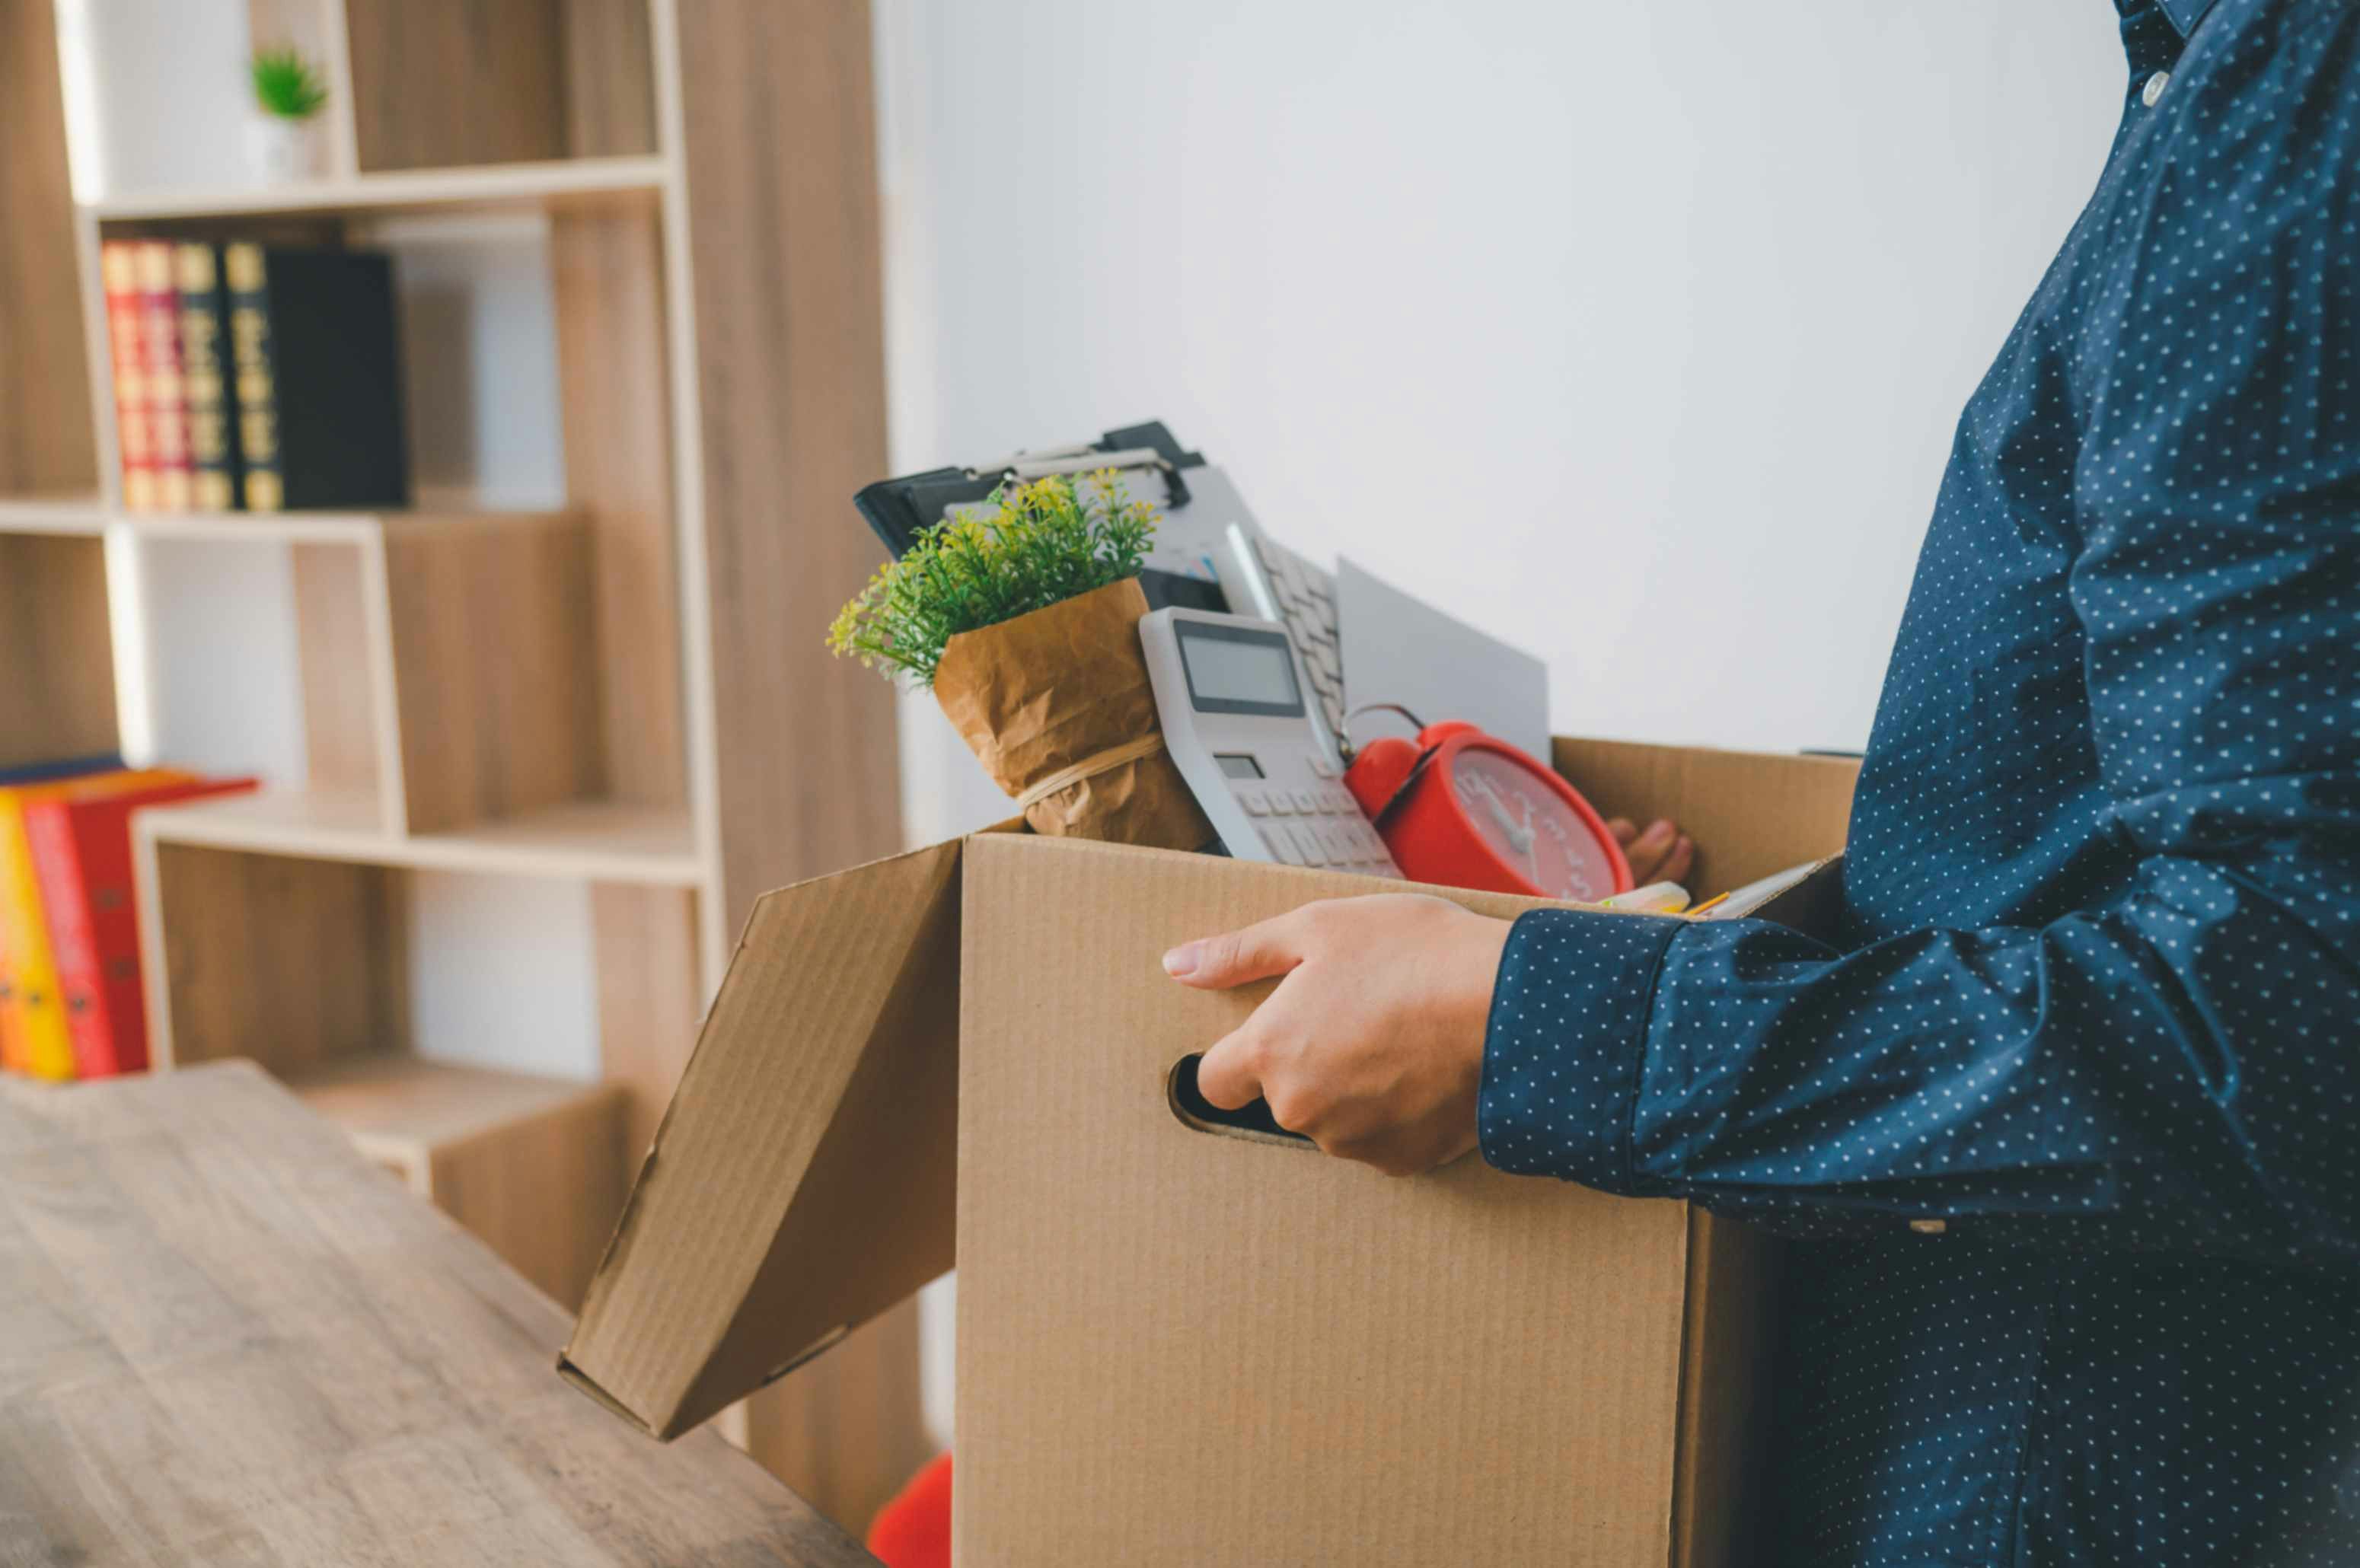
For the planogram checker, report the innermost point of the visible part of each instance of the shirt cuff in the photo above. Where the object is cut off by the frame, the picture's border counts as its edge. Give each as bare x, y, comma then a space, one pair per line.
1566, 1042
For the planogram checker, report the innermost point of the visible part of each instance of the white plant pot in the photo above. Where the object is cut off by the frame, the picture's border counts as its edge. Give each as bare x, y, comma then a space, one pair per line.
282, 149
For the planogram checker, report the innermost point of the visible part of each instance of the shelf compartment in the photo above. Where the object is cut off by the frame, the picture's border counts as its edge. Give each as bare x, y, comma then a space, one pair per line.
516, 80
564, 184
457, 705
493, 666
532, 1165
57, 657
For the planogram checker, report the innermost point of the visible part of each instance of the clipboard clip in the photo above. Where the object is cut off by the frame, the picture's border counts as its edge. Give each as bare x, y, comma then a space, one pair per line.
1086, 459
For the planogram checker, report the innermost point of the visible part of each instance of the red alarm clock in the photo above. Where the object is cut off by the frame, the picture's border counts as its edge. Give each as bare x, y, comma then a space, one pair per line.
1462, 808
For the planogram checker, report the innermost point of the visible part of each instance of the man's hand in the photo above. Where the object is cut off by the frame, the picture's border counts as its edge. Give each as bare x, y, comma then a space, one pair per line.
1372, 1044
1662, 854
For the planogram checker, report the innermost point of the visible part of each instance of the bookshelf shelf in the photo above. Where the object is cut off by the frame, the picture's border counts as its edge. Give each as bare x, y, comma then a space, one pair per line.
317, 528
554, 183
71, 514
589, 840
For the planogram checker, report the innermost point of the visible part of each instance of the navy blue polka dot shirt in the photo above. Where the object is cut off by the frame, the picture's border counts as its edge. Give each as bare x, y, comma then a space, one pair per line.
2096, 1008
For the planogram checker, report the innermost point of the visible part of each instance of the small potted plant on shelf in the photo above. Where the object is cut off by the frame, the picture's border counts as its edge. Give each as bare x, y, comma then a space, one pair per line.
1024, 623
283, 138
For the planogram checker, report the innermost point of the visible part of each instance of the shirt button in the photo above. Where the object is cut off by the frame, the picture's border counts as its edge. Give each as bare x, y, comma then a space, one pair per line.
2154, 88
1929, 1227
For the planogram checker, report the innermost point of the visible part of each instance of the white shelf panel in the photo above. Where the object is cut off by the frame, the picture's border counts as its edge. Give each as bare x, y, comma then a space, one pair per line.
486, 185
594, 841
253, 527
79, 515
320, 527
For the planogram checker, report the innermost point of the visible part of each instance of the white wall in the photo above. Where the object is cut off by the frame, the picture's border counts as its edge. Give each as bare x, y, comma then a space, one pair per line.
155, 93
1633, 331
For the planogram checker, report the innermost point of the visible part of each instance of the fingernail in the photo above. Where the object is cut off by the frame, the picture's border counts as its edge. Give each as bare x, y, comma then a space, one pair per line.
1181, 960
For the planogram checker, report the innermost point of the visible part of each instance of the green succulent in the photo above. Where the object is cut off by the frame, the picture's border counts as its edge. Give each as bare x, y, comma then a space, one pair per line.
1043, 543
287, 85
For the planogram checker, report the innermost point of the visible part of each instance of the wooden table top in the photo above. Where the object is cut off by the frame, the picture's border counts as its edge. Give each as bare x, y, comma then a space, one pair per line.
225, 1339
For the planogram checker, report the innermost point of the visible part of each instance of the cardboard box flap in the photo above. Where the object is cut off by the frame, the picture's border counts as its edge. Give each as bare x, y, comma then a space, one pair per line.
1751, 814
804, 1177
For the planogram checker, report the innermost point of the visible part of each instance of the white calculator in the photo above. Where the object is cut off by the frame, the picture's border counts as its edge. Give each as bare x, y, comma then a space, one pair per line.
1230, 691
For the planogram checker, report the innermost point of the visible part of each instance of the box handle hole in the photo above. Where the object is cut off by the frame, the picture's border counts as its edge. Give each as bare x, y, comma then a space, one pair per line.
1253, 1121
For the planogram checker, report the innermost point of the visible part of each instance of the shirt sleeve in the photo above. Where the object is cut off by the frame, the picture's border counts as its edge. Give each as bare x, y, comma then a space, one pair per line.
2175, 1065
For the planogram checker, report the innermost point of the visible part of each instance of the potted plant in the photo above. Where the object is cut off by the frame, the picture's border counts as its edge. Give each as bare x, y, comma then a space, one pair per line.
1024, 623
288, 94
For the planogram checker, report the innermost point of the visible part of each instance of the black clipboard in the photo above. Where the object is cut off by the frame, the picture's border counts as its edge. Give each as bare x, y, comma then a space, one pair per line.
897, 510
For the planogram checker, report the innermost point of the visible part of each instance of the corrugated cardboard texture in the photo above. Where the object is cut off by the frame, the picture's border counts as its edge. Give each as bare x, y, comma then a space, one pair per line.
1733, 1327
1750, 814
803, 1179
1180, 1347
1195, 1348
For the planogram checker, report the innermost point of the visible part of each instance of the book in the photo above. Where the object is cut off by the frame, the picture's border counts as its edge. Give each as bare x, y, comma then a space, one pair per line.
314, 348
166, 393
82, 862
118, 266
64, 767
33, 1035
204, 352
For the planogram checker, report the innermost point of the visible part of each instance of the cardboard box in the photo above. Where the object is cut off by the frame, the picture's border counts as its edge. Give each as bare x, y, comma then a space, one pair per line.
1177, 1344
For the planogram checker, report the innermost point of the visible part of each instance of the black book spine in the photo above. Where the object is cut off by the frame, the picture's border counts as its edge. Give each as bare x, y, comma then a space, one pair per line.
244, 271
204, 368
335, 377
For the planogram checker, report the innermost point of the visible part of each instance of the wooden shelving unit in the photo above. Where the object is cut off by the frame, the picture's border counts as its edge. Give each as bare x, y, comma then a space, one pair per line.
598, 688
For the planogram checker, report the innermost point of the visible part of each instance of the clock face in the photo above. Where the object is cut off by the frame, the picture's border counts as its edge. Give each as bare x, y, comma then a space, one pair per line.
1529, 828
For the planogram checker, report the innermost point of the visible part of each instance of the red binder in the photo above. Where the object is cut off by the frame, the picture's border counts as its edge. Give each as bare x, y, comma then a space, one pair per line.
81, 858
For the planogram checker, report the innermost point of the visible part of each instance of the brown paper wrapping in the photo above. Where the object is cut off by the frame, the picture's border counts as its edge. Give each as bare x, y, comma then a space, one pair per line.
1053, 690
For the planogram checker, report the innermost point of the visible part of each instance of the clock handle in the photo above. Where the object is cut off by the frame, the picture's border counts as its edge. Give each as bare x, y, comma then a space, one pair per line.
1380, 771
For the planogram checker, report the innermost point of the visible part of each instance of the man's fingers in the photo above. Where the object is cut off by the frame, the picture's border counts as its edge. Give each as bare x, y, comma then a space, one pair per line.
1232, 958
1228, 1076
1650, 853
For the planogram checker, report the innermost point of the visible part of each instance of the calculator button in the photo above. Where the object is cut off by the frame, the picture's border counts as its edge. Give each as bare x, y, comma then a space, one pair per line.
1338, 847
1281, 845
1281, 803
1306, 801
1340, 801
1319, 764
1314, 851
1255, 803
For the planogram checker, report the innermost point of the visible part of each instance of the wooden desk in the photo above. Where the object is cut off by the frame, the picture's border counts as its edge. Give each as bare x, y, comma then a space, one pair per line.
225, 1339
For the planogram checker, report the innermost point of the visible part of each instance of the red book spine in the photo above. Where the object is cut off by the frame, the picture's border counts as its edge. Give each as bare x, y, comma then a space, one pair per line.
81, 857
65, 903
167, 396
118, 266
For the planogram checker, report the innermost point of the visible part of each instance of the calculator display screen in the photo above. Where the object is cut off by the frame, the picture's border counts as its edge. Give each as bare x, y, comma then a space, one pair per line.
1239, 767
1233, 670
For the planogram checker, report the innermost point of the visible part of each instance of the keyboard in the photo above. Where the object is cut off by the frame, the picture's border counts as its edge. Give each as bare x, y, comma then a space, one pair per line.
1305, 598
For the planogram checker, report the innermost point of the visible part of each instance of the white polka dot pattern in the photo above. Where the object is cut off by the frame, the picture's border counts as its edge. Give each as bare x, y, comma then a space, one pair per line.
2097, 1002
